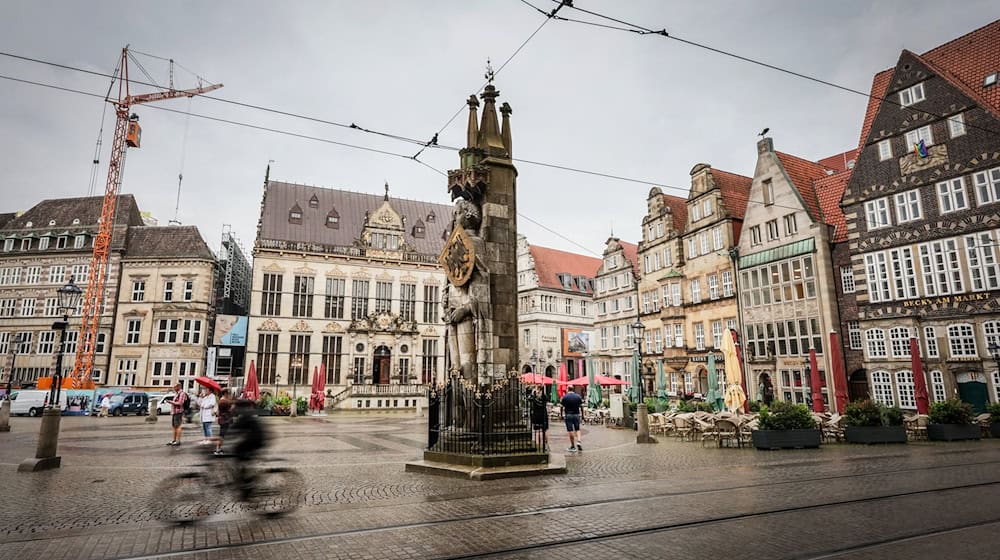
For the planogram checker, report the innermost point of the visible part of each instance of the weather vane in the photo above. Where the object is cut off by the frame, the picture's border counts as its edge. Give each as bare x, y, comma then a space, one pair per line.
489, 71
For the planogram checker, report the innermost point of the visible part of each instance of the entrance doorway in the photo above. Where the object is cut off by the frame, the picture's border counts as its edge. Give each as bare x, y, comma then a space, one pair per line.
550, 372
972, 389
527, 369
382, 365
857, 386
571, 368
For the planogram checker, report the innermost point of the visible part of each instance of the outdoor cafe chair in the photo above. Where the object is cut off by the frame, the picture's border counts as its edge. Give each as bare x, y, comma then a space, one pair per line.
682, 427
727, 431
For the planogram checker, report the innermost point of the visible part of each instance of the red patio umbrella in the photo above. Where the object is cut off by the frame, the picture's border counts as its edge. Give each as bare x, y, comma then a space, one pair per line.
605, 380
814, 380
578, 382
919, 383
839, 375
563, 379
536, 379
251, 390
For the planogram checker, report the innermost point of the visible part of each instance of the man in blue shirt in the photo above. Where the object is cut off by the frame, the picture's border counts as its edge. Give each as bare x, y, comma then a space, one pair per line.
571, 403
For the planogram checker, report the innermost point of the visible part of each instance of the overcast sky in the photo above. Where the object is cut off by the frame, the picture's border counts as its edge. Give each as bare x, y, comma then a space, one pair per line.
643, 107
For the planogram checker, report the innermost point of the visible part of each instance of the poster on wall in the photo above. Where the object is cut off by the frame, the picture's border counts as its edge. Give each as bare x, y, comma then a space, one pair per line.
230, 330
575, 342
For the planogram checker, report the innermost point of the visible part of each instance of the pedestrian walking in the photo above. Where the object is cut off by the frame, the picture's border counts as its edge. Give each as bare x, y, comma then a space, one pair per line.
105, 406
206, 413
571, 403
180, 403
540, 414
225, 419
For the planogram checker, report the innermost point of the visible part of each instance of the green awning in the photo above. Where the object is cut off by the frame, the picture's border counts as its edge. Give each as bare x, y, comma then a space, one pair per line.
779, 253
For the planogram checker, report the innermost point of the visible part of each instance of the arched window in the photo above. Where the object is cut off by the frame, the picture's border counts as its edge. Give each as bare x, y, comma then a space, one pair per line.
961, 340
906, 389
882, 388
899, 339
937, 386
876, 343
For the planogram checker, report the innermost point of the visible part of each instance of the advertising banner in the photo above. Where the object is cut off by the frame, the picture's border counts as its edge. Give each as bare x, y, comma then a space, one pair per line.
230, 330
575, 342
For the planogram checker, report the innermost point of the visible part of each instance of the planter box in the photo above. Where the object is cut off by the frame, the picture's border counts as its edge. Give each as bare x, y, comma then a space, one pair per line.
953, 432
786, 439
995, 429
875, 434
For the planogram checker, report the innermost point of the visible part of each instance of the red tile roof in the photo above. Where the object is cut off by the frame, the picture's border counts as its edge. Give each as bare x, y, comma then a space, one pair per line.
803, 173
735, 191
631, 252
830, 190
679, 209
549, 263
963, 62
840, 162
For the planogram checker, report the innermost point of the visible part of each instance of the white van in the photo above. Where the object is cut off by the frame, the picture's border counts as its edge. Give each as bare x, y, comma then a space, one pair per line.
32, 402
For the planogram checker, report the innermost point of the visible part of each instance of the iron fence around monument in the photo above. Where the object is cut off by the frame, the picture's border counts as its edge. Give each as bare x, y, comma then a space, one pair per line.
481, 419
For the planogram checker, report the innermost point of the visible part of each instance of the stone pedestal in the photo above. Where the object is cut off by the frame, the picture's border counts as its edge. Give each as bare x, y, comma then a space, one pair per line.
642, 435
5, 415
48, 444
154, 407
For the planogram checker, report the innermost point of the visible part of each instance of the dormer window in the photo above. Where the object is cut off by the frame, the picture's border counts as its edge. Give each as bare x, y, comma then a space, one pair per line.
295, 214
581, 283
991, 79
26, 244
76, 221
431, 217
419, 230
566, 280
52, 222
333, 219
314, 202
28, 224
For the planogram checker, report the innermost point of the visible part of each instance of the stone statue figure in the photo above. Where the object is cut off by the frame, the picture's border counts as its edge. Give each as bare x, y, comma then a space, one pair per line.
467, 304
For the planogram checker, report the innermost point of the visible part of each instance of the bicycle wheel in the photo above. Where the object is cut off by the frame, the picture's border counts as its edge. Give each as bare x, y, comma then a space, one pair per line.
184, 497
276, 492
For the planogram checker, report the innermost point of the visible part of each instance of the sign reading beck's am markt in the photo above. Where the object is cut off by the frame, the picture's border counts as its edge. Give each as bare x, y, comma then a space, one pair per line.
947, 300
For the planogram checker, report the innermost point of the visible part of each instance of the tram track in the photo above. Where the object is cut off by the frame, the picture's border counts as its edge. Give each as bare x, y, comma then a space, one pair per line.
620, 534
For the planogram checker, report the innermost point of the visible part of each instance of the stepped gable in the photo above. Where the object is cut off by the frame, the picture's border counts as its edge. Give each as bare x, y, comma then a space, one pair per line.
679, 209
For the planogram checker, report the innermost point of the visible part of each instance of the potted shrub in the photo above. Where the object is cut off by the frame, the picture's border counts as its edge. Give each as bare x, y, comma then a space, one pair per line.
994, 410
786, 426
870, 422
952, 421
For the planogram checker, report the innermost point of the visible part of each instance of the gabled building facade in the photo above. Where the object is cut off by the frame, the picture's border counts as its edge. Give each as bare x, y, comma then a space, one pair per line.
615, 295
165, 308
659, 253
349, 282
923, 212
788, 298
703, 298
555, 309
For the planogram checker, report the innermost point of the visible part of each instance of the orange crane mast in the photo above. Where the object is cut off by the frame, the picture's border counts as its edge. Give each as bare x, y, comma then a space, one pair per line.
127, 134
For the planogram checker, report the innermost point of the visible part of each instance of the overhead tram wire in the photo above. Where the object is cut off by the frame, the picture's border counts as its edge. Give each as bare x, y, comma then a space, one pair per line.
642, 30
682, 191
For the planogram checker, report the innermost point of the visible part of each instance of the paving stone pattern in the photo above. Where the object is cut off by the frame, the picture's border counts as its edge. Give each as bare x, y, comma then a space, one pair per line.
618, 500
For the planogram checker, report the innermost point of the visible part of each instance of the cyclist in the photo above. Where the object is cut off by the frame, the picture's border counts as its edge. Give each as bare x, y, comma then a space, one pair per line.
250, 437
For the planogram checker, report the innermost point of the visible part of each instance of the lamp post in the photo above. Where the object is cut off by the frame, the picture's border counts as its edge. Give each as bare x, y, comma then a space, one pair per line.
806, 386
48, 434
5, 406
297, 368
641, 413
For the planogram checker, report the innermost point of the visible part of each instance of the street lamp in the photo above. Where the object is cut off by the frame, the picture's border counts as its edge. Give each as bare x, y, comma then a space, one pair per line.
297, 368
48, 434
806, 383
643, 415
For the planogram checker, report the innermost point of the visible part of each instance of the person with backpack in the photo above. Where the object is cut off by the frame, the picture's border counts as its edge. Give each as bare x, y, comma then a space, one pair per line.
178, 406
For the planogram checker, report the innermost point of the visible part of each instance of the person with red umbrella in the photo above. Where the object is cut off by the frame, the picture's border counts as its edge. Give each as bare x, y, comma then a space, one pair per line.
206, 406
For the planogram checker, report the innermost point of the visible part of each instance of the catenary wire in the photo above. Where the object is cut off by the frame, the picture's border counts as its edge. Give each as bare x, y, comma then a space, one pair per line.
681, 190
642, 30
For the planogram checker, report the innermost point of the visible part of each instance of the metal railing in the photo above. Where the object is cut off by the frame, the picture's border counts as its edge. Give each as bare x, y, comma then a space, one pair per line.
387, 389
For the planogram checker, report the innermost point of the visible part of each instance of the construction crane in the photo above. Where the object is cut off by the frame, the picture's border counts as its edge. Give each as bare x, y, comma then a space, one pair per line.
127, 135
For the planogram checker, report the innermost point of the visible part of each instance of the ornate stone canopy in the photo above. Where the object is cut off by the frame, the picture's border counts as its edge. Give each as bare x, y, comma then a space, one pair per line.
383, 322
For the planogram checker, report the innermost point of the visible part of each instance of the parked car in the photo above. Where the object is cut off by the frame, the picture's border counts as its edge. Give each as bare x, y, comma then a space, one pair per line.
33, 402
129, 403
166, 404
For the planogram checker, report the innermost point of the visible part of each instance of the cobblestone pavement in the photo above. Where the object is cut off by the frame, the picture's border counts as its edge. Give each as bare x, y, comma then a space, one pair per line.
673, 499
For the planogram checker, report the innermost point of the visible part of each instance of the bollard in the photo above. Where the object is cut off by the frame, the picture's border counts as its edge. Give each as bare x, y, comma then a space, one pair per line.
643, 433
5, 415
154, 406
48, 443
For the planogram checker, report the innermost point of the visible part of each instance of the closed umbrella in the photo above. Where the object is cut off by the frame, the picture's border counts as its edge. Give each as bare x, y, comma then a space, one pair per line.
312, 389
594, 396
554, 391
634, 388
919, 383
814, 378
563, 380
661, 381
251, 391
714, 396
735, 396
839, 376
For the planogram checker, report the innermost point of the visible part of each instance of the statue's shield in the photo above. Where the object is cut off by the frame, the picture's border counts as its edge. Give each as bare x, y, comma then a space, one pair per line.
458, 257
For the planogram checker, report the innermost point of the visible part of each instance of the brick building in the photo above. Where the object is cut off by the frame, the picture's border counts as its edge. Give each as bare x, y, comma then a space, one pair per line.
923, 208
